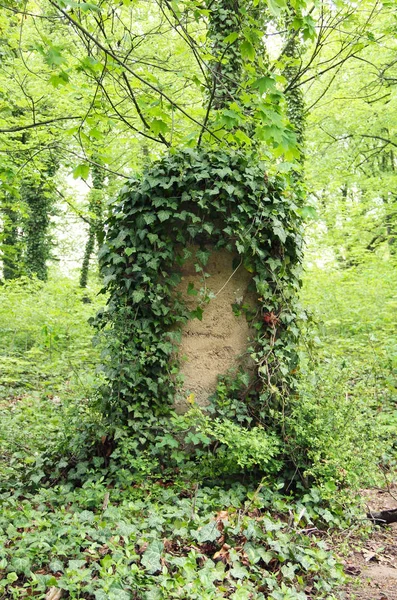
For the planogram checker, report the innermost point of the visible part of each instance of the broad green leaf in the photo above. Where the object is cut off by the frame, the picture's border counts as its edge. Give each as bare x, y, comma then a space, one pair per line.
138, 295
151, 557
158, 126
82, 171
243, 137
247, 50
61, 78
207, 533
197, 314
264, 84
276, 6
232, 37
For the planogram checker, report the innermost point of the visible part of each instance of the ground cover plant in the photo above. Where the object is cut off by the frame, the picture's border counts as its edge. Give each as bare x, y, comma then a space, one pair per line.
73, 522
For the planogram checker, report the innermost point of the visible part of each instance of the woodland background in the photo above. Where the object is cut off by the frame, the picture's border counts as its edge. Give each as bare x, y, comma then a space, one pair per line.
91, 95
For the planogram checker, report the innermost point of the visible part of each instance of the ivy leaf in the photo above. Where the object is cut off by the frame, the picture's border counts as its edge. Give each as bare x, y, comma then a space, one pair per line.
138, 295
21, 565
125, 529
238, 571
207, 533
280, 233
203, 256
75, 565
151, 557
56, 565
163, 215
118, 594
190, 290
197, 314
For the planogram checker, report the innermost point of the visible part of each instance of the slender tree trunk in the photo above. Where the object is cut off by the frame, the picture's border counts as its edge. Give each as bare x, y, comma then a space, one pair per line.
11, 245
94, 230
294, 96
226, 69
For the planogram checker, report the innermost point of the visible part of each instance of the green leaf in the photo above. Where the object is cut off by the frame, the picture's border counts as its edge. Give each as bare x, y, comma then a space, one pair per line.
21, 565
243, 137
203, 256
280, 233
56, 565
207, 533
151, 557
89, 6
95, 133
247, 50
276, 6
264, 84
308, 212
158, 126
138, 295
61, 79
12, 577
190, 290
163, 215
238, 571
82, 171
232, 37
75, 565
54, 57
197, 314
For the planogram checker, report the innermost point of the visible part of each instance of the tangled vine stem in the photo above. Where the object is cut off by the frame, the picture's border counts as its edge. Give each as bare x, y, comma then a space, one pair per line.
211, 200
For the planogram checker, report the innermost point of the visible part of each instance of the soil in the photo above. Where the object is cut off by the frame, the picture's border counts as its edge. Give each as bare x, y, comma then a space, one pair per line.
373, 566
219, 342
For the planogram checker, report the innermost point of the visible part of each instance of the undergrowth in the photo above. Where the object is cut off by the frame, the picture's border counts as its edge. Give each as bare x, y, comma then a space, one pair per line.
101, 523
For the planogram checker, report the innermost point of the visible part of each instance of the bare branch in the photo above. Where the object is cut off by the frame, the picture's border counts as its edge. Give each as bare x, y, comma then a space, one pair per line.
33, 125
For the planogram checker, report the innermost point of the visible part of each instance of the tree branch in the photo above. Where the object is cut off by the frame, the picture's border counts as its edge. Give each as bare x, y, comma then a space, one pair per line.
33, 125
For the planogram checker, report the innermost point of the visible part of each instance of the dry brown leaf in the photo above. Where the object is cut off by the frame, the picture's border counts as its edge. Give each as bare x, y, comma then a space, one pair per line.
54, 594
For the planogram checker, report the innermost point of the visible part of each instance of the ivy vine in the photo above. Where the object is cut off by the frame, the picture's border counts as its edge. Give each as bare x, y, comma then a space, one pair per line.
211, 200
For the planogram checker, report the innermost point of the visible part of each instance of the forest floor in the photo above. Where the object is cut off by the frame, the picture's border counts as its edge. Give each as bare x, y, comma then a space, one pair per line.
373, 563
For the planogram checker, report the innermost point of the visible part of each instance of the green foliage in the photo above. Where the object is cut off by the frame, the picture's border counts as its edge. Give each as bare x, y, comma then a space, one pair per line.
45, 336
225, 447
214, 200
208, 543
344, 418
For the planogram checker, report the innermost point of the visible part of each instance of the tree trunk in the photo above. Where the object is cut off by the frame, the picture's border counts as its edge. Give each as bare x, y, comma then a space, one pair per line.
95, 208
38, 248
11, 246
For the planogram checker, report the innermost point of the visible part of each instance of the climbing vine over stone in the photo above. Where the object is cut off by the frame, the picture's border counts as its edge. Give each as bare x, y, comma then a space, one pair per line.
211, 200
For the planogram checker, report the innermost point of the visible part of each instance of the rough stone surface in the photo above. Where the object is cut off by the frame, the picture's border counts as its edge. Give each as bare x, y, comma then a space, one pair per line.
216, 344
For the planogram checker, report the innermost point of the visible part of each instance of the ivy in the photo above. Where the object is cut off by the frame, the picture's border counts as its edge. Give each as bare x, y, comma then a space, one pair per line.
212, 200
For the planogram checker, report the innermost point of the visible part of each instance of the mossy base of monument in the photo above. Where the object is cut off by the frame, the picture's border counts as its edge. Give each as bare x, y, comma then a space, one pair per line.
218, 342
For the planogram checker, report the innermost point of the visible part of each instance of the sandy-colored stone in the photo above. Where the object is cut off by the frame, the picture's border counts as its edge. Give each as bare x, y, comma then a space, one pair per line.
216, 344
